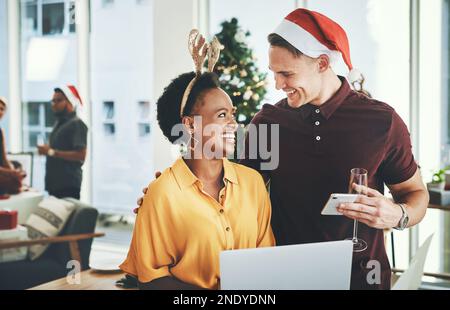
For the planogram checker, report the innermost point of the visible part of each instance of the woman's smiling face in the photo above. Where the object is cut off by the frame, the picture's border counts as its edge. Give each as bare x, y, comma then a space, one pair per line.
218, 125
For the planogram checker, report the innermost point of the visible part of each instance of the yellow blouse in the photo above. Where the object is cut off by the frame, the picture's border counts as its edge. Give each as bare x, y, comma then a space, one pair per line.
180, 230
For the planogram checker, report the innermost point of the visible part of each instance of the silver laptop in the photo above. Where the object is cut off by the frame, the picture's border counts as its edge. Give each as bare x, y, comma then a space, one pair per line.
314, 266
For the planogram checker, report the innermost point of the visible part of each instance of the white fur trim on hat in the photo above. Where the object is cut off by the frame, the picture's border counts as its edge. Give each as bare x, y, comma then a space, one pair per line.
71, 97
305, 42
354, 75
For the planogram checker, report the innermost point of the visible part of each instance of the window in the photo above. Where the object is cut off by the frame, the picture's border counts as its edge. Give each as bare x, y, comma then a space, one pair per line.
108, 110
109, 129
31, 21
52, 18
72, 24
48, 17
38, 120
108, 116
144, 119
144, 110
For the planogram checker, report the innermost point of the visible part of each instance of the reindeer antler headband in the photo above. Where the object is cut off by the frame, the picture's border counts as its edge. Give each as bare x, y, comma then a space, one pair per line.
199, 49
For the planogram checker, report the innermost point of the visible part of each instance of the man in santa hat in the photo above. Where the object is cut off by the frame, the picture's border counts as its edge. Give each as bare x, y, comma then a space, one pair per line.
66, 151
326, 129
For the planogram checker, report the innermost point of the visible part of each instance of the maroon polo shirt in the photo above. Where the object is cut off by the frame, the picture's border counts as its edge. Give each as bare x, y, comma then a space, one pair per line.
318, 146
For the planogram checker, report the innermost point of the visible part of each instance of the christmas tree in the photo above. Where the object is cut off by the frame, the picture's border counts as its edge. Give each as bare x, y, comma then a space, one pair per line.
239, 75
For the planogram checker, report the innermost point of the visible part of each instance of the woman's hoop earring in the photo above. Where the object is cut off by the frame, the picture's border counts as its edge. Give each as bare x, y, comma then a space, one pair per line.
190, 142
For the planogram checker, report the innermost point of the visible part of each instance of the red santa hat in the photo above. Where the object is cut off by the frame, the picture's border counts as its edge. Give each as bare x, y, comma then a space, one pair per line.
314, 34
72, 95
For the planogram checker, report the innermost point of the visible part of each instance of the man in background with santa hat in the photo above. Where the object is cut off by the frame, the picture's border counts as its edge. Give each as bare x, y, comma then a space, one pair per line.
66, 150
325, 130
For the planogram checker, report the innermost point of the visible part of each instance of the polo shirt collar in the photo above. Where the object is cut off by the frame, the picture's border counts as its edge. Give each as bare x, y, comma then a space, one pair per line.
186, 178
306, 110
329, 107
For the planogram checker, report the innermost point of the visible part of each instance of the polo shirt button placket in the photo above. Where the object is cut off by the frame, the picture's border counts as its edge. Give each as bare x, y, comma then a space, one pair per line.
317, 136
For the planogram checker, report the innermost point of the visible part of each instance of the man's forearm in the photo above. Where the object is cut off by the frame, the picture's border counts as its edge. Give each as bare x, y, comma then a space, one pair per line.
167, 283
416, 205
4, 169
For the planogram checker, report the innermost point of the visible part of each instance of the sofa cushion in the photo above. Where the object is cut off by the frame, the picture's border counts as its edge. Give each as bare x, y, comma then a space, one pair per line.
47, 220
82, 221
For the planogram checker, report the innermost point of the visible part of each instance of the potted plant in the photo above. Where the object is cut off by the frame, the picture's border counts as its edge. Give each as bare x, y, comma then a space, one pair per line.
438, 180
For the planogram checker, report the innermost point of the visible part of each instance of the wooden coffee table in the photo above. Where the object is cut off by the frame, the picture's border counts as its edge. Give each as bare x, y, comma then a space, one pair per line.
90, 280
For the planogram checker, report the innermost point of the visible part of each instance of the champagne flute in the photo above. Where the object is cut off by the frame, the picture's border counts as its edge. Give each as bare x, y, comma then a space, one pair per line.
40, 140
358, 176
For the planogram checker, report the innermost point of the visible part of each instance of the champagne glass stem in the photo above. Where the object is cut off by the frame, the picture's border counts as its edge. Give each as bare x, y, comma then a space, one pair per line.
355, 231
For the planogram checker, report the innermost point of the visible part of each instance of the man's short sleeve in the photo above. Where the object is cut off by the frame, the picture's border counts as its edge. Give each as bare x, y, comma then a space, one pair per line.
79, 137
399, 164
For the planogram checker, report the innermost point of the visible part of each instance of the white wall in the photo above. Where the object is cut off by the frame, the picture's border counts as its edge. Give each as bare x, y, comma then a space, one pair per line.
172, 21
122, 71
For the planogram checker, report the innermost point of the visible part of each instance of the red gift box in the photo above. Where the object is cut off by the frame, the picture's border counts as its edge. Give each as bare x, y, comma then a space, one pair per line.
8, 219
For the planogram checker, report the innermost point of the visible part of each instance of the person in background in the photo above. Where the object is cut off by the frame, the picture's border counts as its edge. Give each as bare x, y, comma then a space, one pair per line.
4, 163
10, 179
66, 151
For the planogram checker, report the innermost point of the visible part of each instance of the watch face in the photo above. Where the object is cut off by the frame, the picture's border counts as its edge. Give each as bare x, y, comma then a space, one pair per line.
405, 221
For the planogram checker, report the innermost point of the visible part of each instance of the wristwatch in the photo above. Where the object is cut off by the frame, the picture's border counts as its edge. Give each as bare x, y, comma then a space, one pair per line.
403, 223
51, 152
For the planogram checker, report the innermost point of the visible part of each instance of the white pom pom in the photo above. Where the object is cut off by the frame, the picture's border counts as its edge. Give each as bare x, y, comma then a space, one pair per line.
354, 75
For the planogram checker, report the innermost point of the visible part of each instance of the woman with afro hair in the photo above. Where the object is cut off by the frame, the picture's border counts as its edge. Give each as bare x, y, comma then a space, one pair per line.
203, 204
